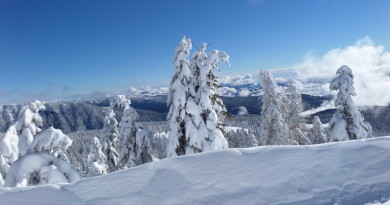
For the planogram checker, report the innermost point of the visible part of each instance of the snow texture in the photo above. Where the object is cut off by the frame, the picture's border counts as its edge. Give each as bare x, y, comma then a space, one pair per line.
352, 172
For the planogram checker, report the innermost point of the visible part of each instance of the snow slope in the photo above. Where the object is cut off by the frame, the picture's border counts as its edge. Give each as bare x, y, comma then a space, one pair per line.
353, 172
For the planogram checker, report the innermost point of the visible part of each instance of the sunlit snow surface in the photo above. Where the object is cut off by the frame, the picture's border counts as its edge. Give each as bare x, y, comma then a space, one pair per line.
353, 172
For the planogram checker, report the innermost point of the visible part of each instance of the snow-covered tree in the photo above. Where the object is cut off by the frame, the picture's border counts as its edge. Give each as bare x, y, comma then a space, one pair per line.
97, 159
347, 123
294, 108
143, 145
19, 136
240, 138
53, 142
110, 139
135, 139
274, 129
197, 61
127, 131
40, 168
8, 151
27, 125
179, 92
317, 132
196, 111
212, 109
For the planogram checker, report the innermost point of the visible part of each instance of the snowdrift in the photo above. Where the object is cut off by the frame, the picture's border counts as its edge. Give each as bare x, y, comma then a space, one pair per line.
353, 172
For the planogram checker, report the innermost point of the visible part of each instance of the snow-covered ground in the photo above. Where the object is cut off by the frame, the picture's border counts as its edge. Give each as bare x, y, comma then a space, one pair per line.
353, 172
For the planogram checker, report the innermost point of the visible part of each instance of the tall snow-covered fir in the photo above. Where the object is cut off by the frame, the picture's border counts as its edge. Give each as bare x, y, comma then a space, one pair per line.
317, 132
274, 129
179, 92
135, 139
197, 61
110, 139
127, 131
294, 108
28, 123
212, 109
347, 123
196, 111
97, 159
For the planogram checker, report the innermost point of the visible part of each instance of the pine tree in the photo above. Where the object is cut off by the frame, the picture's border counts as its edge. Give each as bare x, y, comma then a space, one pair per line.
347, 123
274, 129
97, 159
28, 123
110, 139
317, 132
53, 142
135, 139
212, 109
19, 136
197, 61
294, 108
143, 145
196, 111
178, 95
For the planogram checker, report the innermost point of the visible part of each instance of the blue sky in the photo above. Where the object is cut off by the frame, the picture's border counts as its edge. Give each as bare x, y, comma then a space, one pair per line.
53, 48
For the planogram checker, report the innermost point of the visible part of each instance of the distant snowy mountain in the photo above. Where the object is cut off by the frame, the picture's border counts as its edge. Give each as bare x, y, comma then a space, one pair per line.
240, 85
352, 172
250, 86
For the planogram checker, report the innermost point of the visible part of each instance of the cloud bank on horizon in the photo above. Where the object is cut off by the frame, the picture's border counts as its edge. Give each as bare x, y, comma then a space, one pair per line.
370, 64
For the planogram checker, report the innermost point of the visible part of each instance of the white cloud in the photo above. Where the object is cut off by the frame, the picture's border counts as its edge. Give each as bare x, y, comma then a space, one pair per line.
244, 92
324, 106
242, 110
237, 80
369, 62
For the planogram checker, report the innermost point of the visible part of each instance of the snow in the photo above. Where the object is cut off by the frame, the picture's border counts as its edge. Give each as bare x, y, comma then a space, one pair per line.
40, 168
386, 203
351, 172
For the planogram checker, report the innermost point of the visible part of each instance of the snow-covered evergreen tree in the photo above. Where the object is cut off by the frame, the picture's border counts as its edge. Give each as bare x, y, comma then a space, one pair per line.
53, 142
347, 123
45, 161
197, 61
212, 109
143, 145
97, 159
196, 111
317, 132
110, 139
135, 139
178, 99
28, 123
274, 129
19, 136
294, 108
